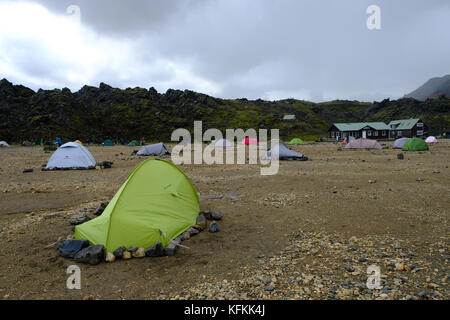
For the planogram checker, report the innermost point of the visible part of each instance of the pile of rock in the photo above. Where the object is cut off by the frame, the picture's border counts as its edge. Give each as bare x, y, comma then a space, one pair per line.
80, 251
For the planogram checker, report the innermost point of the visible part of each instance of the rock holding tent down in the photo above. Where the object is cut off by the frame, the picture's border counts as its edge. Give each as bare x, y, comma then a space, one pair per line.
118, 253
214, 227
79, 218
92, 255
155, 251
69, 248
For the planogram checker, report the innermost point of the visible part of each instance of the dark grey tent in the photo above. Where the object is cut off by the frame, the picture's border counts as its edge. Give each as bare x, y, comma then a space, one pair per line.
282, 152
158, 149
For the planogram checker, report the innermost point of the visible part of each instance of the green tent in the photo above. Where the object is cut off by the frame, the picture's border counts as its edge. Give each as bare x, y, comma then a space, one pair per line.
108, 143
156, 196
134, 143
296, 141
415, 144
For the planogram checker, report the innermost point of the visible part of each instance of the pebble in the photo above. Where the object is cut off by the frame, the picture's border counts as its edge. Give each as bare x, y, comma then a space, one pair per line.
110, 257
139, 253
126, 255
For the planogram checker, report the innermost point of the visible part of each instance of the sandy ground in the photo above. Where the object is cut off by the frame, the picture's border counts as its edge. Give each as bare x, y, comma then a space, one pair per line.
308, 232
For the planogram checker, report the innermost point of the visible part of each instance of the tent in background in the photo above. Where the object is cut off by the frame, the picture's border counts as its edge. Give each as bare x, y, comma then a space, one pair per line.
399, 143
71, 155
248, 140
3, 144
222, 143
156, 203
296, 141
363, 144
431, 139
415, 144
282, 152
79, 142
158, 149
134, 143
108, 143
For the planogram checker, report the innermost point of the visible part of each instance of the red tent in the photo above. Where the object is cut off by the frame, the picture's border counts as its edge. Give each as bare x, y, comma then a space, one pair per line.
248, 140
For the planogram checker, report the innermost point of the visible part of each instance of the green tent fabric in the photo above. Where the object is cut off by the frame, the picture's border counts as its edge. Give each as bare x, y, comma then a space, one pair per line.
108, 143
415, 144
296, 141
134, 143
156, 196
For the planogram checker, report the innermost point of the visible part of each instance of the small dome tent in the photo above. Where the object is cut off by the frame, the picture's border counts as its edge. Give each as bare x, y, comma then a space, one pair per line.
431, 139
108, 143
158, 149
222, 143
296, 141
415, 144
71, 156
363, 144
3, 144
156, 203
134, 143
399, 143
79, 142
280, 151
248, 140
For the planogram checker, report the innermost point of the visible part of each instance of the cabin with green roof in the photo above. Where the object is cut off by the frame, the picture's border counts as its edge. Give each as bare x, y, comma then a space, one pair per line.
408, 128
366, 130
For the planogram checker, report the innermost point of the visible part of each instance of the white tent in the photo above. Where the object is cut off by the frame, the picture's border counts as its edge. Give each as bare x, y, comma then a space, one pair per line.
398, 144
157, 149
71, 156
281, 152
4, 144
431, 139
222, 143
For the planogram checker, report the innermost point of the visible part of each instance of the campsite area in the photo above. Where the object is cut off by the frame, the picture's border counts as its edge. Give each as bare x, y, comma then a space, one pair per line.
309, 232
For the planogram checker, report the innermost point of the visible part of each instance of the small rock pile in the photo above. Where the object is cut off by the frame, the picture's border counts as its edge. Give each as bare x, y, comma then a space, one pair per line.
80, 251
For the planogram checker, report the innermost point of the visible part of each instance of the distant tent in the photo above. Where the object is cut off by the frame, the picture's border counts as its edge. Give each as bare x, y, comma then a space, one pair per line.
153, 150
399, 143
156, 203
431, 139
3, 144
79, 142
222, 143
134, 143
248, 140
282, 152
26, 144
71, 155
296, 141
363, 144
108, 143
415, 144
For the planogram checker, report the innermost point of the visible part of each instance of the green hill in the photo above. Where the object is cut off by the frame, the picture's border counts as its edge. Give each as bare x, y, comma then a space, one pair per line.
94, 114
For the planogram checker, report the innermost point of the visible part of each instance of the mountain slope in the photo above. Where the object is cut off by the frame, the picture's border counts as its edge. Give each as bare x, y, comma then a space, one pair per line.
433, 88
94, 114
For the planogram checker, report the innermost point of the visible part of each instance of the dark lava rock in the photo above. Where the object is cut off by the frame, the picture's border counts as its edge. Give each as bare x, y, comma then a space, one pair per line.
92, 255
27, 170
400, 156
119, 252
214, 227
69, 248
132, 249
155, 251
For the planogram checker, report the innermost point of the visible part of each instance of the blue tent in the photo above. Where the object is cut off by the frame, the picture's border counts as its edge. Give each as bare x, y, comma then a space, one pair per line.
71, 156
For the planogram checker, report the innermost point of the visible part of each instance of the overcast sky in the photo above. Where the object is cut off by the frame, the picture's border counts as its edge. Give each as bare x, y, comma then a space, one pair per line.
315, 50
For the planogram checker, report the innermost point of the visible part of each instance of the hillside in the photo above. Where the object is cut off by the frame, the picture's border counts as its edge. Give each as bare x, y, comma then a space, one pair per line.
94, 114
432, 89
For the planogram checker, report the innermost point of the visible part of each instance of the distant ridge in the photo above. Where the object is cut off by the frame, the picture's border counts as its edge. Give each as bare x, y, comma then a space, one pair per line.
93, 114
432, 89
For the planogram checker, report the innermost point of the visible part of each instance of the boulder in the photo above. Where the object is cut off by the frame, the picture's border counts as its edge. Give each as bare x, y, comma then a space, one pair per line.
101, 208
216, 215
155, 251
92, 255
119, 252
185, 236
126, 255
201, 221
139, 253
110, 257
193, 231
69, 248
170, 249
214, 227
79, 218
132, 249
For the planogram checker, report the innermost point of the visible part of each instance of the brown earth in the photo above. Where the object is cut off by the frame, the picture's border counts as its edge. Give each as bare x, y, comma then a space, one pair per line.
329, 195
